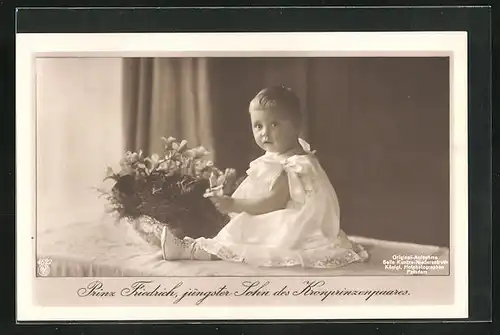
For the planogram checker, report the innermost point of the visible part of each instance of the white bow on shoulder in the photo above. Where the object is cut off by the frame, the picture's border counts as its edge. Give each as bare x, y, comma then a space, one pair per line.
296, 167
306, 146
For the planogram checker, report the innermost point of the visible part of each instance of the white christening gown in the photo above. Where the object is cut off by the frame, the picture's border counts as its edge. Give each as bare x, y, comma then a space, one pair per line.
306, 233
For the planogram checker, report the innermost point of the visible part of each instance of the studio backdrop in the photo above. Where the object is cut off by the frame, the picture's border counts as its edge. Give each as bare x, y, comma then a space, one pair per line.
380, 127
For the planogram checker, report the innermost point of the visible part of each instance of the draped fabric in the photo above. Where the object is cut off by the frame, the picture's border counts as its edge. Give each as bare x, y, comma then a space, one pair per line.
202, 100
167, 97
380, 126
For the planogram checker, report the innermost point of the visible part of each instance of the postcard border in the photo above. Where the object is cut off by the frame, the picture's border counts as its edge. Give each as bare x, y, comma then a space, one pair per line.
27, 44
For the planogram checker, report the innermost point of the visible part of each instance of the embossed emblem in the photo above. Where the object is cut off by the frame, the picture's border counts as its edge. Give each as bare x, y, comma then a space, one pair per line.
44, 266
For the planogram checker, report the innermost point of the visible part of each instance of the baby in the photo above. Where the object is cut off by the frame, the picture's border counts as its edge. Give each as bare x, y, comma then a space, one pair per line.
286, 212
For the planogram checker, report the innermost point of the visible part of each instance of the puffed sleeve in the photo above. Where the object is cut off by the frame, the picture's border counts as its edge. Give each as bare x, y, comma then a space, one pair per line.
300, 170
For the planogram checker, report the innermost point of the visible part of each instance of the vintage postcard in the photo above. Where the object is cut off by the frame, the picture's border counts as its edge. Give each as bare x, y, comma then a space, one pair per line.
185, 176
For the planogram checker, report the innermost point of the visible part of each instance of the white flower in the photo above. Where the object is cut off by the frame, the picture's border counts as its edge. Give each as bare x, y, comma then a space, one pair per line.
129, 159
168, 142
179, 147
155, 158
153, 162
197, 152
164, 166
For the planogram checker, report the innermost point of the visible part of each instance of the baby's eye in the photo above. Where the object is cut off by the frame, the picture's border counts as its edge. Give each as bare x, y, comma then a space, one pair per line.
258, 126
274, 124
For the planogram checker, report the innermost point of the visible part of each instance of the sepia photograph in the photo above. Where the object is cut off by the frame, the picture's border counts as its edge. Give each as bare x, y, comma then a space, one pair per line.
326, 166
172, 178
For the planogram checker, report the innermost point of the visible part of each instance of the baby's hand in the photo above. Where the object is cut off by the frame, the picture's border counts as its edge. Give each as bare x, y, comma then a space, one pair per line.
218, 190
223, 203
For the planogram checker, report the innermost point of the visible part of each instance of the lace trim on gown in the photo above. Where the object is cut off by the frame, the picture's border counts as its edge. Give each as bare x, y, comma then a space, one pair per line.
331, 257
300, 169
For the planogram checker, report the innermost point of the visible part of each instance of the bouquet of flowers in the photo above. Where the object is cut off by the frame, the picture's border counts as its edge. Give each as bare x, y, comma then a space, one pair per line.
170, 187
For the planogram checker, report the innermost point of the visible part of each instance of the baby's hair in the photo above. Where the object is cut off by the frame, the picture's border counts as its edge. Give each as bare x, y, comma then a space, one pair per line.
278, 98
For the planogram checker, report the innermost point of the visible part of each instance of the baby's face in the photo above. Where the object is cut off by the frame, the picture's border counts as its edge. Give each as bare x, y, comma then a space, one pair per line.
273, 131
